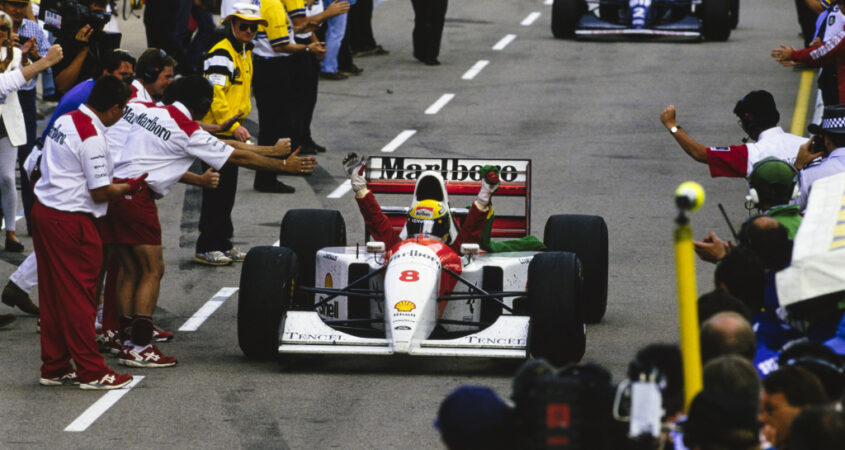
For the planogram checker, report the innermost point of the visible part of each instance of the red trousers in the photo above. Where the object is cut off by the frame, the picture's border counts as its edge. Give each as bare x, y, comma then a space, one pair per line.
69, 253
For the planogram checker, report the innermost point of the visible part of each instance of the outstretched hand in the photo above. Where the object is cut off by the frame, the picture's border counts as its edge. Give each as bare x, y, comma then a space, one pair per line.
355, 167
712, 248
489, 184
300, 164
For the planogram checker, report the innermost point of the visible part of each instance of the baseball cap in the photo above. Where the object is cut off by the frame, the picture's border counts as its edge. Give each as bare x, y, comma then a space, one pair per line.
837, 342
760, 103
470, 411
247, 12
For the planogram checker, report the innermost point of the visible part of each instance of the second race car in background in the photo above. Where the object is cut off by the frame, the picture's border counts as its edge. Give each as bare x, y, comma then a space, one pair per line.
693, 19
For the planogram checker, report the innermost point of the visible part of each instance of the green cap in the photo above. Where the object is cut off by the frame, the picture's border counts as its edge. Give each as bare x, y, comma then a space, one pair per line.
772, 172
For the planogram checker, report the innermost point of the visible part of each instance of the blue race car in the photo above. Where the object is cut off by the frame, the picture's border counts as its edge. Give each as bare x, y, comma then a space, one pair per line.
694, 19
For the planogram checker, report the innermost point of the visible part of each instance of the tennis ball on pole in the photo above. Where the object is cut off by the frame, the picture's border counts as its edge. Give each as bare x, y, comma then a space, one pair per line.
689, 196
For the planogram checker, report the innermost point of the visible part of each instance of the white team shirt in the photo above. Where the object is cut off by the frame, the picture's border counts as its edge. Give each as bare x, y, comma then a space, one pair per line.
315, 9
835, 23
118, 134
165, 142
75, 161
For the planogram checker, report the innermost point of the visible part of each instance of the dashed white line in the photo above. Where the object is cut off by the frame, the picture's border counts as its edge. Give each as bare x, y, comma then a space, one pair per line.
439, 104
101, 406
504, 42
341, 190
528, 20
474, 70
208, 309
398, 140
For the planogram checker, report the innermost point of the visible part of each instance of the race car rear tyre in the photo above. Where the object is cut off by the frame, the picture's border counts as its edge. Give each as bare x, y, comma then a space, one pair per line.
267, 281
565, 16
586, 236
716, 19
305, 231
555, 331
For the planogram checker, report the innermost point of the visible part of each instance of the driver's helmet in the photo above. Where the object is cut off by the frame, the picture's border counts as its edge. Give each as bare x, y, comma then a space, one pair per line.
429, 218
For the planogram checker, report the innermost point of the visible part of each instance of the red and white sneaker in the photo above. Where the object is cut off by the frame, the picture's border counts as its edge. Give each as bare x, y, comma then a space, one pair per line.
112, 343
149, 356
160, 335
68, 379
111, 380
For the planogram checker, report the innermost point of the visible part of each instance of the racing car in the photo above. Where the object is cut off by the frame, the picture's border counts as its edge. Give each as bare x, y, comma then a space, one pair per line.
696, 19
313, 294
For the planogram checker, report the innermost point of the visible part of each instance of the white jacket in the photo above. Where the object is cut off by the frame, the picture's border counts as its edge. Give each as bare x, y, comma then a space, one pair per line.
10, 109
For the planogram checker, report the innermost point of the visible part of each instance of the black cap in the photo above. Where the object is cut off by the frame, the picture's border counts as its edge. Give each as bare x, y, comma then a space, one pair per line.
758, 103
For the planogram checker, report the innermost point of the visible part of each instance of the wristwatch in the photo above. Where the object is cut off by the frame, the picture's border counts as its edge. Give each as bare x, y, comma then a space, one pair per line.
674, 129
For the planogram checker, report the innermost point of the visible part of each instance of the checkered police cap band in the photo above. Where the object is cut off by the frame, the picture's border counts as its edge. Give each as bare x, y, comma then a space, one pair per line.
833, 123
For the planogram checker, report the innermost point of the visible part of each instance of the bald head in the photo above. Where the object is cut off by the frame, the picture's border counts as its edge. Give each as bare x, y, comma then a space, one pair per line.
727, 333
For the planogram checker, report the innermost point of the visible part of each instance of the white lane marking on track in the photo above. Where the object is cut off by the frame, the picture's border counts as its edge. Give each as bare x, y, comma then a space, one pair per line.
549, 2
101, 406
475, 69
341, 190
504, 42
208, 309
398, 140
529, 19
439, 104
277, 243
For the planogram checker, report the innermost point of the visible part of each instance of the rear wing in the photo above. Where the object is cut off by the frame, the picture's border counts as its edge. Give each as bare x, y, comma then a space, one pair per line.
398, 175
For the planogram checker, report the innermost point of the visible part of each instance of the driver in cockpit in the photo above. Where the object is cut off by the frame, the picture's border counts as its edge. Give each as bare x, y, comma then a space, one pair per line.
428, 218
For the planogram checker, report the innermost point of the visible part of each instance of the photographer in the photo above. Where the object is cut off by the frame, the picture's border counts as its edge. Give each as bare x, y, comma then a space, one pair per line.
830, 133
82, 47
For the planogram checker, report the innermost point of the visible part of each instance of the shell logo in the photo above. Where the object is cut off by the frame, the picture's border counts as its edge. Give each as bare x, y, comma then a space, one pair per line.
405, 306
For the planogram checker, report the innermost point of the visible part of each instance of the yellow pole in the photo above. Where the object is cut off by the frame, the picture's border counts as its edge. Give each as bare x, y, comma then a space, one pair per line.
688, 197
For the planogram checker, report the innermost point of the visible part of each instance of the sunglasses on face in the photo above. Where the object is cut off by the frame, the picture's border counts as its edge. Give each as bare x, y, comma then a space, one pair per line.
248, 26
4, 28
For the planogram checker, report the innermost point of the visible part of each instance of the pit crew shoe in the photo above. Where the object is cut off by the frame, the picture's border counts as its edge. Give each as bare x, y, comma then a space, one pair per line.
235, 255
149, 357
102, 340
68, 379
112, 344
214, 258
160, 335
111, 380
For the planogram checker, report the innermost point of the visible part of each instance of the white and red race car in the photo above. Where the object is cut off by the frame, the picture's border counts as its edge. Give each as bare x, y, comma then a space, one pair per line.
316, 295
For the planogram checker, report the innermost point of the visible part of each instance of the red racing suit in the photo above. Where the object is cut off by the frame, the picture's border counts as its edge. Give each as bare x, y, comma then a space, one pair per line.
378, 225
828, 52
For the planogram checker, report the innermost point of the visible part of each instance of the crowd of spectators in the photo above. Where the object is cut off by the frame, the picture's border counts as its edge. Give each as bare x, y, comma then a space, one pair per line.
773, 376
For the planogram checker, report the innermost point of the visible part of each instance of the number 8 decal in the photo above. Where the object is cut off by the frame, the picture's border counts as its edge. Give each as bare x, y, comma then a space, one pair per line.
409, 275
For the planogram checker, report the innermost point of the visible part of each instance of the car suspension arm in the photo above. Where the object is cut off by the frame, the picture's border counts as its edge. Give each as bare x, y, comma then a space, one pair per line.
484, 294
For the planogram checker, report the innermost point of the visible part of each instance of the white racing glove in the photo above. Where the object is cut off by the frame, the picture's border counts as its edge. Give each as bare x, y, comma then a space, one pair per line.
489, 185
355, 168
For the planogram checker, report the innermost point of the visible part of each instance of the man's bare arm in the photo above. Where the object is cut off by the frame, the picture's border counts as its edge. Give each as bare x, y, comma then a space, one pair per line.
697, 151
281, 148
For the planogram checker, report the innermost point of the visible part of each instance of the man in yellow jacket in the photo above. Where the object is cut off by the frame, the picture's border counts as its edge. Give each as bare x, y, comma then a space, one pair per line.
228, 66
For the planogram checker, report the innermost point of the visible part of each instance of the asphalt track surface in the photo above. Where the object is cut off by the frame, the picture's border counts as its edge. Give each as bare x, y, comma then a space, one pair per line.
586, 113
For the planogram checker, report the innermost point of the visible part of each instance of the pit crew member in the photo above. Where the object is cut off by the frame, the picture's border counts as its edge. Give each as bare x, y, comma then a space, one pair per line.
228, 65
165, 142
75, 188
428, 217
758, 117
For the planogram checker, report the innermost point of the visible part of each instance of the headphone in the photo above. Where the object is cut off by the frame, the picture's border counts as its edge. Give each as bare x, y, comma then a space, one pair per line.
148, 73
753, 197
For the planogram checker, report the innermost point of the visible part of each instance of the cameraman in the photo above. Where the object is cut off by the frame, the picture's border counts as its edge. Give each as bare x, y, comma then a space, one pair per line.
82, 61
